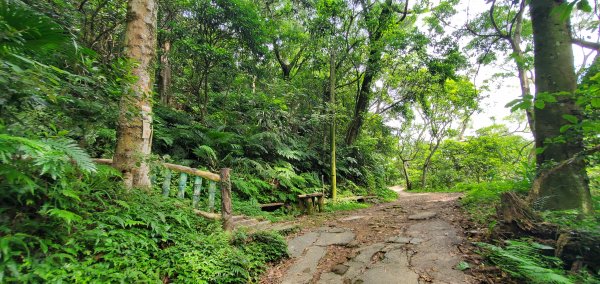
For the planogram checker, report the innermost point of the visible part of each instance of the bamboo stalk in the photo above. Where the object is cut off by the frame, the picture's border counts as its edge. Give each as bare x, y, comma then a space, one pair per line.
182, 184
166, 187
197, 189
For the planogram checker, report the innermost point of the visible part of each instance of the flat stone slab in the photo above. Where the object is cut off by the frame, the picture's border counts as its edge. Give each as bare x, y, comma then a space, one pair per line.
394, 268
297, 245
399, 240
404, 240
330, 278
422, 216
327, 239
353, 218
303, 270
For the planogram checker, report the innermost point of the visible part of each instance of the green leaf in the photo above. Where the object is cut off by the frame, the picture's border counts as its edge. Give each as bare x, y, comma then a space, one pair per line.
570, 118
595, 102
463, 266
70, 193
564, 128
540, 104
65, 215
540, 150
584, 5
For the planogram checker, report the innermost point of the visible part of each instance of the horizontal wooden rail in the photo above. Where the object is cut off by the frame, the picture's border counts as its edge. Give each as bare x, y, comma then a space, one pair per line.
192, 171
183, 169
223, 178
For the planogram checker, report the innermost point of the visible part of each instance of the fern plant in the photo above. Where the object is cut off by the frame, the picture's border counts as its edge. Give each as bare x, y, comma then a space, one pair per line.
524, 259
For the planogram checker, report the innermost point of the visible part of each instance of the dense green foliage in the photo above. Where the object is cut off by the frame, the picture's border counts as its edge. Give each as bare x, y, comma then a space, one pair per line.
245, 84
90, 230
525, 259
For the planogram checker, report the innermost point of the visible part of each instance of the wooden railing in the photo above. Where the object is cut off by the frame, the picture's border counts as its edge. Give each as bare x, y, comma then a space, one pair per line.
223, 178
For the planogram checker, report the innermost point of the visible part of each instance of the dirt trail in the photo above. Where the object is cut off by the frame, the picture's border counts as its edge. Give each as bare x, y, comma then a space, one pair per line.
415, 239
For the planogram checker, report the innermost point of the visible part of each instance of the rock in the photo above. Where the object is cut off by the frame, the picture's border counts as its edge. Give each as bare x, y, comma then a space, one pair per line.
330, 278
422, 216
399, 240
353, 218
365, 254
396, 274
327, 238
353, 244
335, 230
302, 271
394, 268
340, 269
297, 245
416, 241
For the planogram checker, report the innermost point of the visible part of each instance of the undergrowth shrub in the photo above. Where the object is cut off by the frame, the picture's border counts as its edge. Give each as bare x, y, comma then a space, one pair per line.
344, 206
525, 260
66, 221
480, 199
386, 195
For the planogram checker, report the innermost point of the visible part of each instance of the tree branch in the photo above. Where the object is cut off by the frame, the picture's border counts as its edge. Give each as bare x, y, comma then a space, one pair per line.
586, 44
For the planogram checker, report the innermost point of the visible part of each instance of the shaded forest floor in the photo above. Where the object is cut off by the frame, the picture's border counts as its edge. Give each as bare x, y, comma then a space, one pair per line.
418, 238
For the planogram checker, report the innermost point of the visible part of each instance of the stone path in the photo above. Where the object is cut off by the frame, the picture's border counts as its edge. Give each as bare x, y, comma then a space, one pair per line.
412, 240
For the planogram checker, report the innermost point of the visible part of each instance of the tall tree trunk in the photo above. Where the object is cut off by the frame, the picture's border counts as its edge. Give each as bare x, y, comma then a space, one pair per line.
372, 69
333, 128
515, 43
554, 73
406, 176
164, 86
134, 133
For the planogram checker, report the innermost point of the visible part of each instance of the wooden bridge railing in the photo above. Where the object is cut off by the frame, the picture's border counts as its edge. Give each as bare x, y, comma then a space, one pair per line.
223, 178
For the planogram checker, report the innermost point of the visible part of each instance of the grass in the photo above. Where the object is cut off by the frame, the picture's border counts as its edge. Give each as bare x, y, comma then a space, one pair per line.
525, 260
345, 206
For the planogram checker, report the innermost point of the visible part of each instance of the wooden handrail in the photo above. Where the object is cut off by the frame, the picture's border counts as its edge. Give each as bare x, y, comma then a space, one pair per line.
179, 168
192, 171
223, 178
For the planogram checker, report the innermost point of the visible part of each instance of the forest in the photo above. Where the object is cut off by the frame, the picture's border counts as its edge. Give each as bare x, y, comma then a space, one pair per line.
136, 134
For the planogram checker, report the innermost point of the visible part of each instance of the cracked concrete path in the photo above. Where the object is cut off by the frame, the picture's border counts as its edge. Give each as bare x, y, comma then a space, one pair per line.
411, 240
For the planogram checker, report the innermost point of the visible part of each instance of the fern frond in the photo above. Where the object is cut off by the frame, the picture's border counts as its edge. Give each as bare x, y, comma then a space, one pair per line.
69, 148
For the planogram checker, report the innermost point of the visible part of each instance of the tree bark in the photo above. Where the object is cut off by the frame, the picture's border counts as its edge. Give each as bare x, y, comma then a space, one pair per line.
333, 126
515, 43
371, 70
164, 86
226, 207
134, 133
406, 176
554, 73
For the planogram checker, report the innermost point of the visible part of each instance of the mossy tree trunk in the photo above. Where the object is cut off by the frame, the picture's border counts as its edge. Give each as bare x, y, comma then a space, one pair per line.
554, 72
134, 133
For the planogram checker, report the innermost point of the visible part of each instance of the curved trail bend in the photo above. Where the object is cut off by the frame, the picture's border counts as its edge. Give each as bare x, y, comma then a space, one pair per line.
415, 239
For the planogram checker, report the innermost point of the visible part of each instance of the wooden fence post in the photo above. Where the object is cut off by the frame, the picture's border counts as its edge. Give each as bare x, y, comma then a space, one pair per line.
182, 183
166, 186
212, 188
197, 189
226, 209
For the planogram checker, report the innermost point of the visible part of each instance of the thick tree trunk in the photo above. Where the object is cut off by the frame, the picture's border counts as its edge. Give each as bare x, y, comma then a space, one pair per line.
134, 134
554, 73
